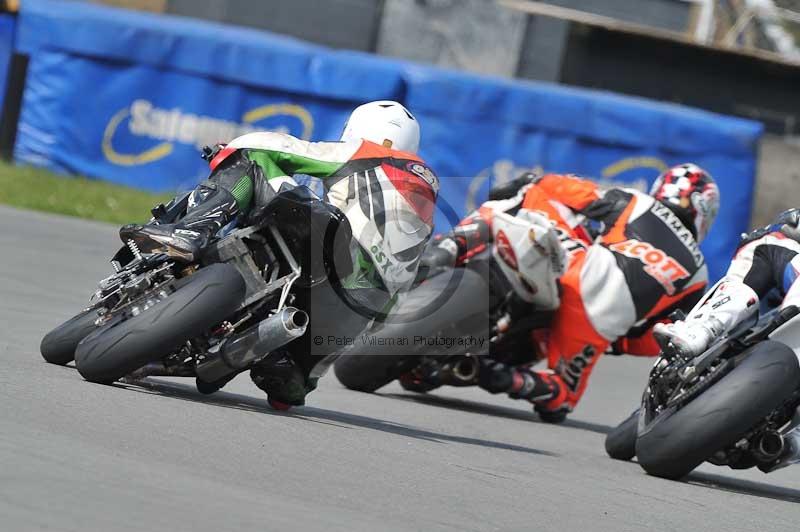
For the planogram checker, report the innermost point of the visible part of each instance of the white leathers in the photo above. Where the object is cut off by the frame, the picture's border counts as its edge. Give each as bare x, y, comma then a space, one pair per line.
386, 123
386, 223
529, 253
395, 243
732, 299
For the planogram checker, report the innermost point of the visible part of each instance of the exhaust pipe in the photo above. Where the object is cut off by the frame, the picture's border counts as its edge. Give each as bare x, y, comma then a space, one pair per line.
466, 369
789, 449
770, 446
462, 372
241, 351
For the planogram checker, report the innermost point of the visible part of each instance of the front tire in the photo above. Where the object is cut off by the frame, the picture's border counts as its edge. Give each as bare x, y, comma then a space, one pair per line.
676, 442
58, 346
621, 441
203, 300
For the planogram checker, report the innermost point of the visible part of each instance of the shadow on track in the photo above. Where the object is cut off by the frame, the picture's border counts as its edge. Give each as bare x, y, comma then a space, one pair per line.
744, 487
318, 415
476, 407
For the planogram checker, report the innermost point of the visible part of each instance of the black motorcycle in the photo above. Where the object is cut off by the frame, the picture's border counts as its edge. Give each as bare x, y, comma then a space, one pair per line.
215, 318
735, 404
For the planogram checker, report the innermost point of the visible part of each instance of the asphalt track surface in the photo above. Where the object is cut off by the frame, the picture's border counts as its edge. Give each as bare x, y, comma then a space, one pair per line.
161, 457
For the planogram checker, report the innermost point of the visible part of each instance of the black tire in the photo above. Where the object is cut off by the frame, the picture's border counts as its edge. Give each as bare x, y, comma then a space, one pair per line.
465, 309
203, 300
676, 442
621, 441
58, 346
367, 373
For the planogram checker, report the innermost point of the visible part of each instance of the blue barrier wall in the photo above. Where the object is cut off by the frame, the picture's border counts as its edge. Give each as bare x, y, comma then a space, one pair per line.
131, 97
8, 26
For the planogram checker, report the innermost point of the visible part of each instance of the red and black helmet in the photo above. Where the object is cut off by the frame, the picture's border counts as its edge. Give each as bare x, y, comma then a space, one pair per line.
691, 193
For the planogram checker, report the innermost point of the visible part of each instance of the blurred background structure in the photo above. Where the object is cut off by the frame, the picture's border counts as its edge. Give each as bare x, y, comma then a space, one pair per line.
499, 85
673, 50
739, 57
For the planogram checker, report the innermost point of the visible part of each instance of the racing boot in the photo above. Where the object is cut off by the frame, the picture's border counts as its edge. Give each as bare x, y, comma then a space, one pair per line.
283, 380
544, 389
211, 207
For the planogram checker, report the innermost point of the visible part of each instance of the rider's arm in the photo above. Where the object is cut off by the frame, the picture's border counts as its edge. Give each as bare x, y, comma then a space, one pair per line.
576, 193
282, 155
469, 238
472, 234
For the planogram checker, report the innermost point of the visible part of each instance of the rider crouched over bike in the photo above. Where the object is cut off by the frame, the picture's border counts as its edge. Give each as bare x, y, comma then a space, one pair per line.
372, 177
644, 264
767, 260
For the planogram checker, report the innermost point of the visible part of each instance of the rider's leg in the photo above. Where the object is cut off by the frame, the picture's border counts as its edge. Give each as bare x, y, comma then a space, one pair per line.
336, 318
212, 205
572, 345
573, 342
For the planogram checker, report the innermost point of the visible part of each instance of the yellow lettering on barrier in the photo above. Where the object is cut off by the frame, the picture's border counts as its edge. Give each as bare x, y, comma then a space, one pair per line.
173, 125
629, 163
286, 109
147, 156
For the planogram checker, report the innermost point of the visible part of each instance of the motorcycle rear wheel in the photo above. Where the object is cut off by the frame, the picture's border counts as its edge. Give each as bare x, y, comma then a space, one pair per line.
367, 373
675, 442
201, 301
464, 310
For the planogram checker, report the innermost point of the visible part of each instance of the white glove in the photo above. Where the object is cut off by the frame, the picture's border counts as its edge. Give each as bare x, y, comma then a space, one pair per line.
689, 338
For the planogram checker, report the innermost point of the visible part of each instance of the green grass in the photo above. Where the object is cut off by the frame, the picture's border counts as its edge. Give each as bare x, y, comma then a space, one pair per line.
33, 188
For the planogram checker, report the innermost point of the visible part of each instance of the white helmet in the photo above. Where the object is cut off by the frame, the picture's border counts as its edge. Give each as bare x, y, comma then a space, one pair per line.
385, 122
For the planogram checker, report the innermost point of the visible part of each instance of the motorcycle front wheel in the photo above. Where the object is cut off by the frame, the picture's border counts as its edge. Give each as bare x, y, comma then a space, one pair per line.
58, 346
621, 441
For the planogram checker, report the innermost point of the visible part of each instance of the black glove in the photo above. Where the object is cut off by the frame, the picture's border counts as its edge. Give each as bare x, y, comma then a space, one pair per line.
436, 256
510, 189
433, 259
790, 223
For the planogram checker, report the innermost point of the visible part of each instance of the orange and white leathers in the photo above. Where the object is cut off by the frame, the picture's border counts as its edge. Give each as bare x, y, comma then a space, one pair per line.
644, 265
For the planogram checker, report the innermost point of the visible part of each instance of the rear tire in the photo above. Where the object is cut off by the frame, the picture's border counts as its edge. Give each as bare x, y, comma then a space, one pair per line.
464, 310
674, 443
203, 300
367, 373
621, 441
58, 346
